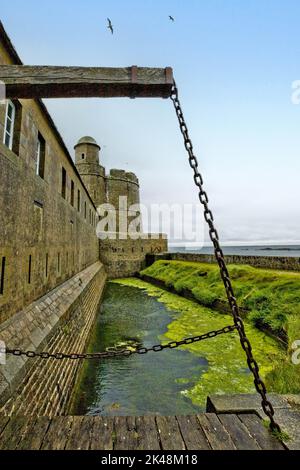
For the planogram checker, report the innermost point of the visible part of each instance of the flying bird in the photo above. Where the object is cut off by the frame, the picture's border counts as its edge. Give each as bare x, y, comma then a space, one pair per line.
171, 18
110, 26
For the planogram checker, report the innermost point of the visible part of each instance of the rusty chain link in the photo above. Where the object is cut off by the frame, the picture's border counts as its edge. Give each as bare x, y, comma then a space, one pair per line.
252, 364
115, 352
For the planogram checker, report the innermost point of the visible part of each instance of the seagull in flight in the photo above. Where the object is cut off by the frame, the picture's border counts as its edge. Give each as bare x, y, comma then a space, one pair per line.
110, 26
171, 18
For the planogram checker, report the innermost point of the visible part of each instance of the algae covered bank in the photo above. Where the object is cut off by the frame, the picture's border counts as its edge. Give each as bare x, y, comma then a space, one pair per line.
134, 314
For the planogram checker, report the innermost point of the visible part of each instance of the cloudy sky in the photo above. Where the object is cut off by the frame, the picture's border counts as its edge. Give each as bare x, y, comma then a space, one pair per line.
234, 62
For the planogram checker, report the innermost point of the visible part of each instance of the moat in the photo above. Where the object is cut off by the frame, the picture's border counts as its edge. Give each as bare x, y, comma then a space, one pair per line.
177, 381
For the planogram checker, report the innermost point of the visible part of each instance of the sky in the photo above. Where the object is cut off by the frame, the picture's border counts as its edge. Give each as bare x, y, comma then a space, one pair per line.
234, 63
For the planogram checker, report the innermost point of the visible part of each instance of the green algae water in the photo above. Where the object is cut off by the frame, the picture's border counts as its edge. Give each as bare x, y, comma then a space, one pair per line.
134, 314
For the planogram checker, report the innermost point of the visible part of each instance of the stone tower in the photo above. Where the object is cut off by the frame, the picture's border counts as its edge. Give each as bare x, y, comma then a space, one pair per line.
88, 165
120, 184
110, 188
123, 251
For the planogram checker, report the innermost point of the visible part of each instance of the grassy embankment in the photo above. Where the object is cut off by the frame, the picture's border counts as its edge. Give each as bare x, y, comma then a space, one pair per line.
271, 297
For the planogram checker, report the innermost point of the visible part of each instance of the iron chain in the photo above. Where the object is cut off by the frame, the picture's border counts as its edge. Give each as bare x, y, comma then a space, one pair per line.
252, 364
116, 352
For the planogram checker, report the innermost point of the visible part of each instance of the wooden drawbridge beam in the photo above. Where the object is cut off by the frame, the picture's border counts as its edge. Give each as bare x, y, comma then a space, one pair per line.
23, 81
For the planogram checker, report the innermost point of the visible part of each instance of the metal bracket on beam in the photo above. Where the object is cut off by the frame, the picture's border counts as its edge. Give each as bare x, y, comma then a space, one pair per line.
169, 75
133, 80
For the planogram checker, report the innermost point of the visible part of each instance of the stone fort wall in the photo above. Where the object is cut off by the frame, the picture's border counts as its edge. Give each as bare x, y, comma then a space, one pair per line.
125, 258
60, 321
45, 238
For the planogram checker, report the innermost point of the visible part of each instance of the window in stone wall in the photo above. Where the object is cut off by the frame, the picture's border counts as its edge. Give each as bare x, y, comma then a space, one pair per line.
12, 126
63, 182
78, 200
3, 261
17, 128
9, 124
58, 263
85, 210
72, 192
40, 156
29, 269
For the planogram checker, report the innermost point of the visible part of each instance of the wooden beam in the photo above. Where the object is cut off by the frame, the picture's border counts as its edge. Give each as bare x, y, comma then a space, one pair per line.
23, 81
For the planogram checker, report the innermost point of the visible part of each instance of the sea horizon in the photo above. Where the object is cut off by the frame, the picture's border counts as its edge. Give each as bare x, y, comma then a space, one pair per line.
286, 250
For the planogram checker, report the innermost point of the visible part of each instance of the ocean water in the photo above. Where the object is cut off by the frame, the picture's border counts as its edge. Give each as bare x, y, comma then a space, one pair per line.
251, 250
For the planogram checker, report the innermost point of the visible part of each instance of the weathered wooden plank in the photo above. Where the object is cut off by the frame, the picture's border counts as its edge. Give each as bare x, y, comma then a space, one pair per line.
102, 433
34, 436
81, 433
148, 438
217, 436
24, 81
13, 432
57, 435
143, 433
238, 432
262, 435
126, 437
192, 433
169, 432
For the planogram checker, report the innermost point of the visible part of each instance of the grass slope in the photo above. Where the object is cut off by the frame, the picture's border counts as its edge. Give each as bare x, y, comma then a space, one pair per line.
272, 298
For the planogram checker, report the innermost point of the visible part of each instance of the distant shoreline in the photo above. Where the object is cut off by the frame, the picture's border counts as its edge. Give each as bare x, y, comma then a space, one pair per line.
251, 250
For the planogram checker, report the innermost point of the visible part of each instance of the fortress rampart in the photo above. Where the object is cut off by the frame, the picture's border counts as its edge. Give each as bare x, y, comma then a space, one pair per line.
48, 219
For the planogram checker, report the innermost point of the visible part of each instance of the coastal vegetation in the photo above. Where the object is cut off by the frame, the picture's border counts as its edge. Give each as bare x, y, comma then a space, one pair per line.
270, 299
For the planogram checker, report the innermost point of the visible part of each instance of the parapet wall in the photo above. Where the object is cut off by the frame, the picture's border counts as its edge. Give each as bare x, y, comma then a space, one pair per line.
124, 258
267, 262
61, 321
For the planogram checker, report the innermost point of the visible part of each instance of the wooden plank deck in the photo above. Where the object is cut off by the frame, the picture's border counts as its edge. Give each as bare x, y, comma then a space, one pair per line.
202, 432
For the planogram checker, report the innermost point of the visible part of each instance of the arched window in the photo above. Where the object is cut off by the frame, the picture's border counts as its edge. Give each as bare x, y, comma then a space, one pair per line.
9, 124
